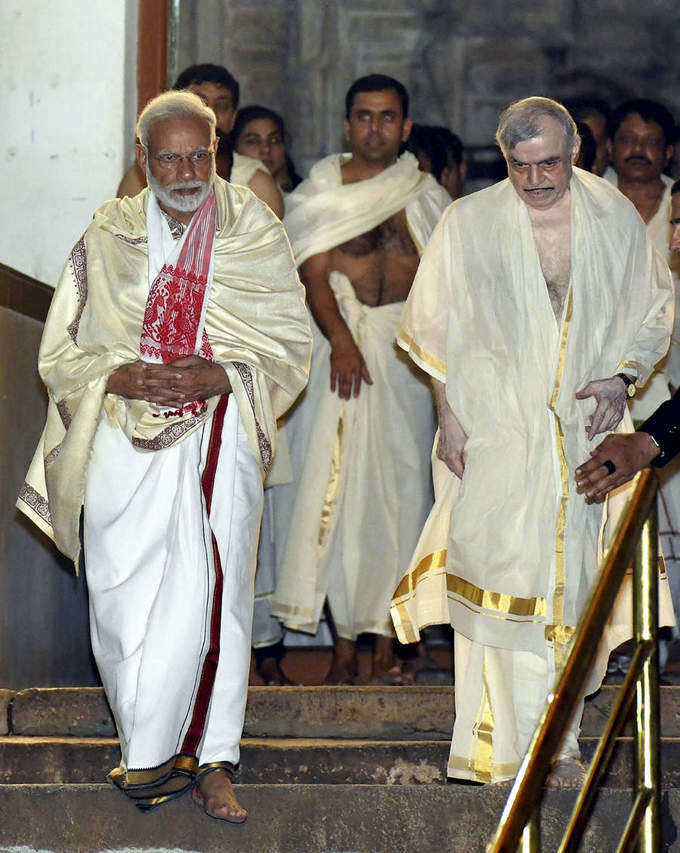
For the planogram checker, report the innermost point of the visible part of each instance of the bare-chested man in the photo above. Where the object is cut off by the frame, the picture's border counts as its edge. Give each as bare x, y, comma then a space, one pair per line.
361, 438
536, 303
219, 90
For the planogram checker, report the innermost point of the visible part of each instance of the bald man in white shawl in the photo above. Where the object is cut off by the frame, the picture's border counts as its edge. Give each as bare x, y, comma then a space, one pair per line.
361, 435
537, 302
176, 337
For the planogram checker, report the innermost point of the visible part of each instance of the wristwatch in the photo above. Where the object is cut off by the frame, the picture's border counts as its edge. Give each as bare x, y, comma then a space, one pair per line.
631, 388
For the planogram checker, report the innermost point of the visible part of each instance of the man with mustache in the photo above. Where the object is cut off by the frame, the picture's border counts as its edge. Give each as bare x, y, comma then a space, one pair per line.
537, 303
657, 440
640, 132
361, 437
176, 336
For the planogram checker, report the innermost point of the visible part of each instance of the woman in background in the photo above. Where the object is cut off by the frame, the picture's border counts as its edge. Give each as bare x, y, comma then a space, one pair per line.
260, 132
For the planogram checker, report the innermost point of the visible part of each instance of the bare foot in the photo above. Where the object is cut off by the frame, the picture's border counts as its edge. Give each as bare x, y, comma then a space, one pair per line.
215, 793
344, 664
271, 673
566, 773
387, 669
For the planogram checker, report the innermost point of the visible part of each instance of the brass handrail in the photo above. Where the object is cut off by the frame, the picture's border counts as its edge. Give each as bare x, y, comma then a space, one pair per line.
518, 823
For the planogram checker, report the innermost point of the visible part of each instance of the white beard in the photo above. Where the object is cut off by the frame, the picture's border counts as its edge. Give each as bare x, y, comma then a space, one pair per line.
168, 196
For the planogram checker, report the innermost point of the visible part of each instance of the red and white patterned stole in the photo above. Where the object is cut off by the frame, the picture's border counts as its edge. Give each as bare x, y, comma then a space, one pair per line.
175, 309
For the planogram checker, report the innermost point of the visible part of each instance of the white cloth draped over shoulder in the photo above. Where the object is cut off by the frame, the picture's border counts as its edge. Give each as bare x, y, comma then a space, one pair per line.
322, 212
509, 553
254, 285
346, 526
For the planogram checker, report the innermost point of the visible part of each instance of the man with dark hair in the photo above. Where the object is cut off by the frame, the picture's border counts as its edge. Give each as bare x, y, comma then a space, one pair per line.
640, 133
219, 90
218, 76
440, 153
619, 457
594, 112
361, 439
376, 83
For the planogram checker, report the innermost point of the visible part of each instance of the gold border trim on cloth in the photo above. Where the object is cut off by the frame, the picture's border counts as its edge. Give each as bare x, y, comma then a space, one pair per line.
639, 369
501, 602
152, 787
211, 766
331, 496
560, 573
480, 765
463, 765
421, 353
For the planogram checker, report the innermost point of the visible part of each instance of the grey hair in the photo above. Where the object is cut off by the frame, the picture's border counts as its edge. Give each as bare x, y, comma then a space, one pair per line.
173, 105
522, 120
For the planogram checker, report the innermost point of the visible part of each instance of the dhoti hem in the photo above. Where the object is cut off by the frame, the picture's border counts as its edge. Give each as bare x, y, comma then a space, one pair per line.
154, 786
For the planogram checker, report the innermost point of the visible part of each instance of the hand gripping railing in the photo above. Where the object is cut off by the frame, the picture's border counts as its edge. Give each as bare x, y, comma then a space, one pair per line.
518, 828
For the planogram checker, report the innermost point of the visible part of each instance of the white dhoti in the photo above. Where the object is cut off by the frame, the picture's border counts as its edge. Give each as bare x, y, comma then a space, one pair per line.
161, 603
362, 487
500, 696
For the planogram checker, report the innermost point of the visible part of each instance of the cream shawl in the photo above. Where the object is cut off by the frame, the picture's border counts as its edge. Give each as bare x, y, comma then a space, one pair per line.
322, 213
256, 323
522, 545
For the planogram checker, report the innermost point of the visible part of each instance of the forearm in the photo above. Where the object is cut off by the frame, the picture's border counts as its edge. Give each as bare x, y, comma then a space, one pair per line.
664, 428
452, 437
324, 307
440, 401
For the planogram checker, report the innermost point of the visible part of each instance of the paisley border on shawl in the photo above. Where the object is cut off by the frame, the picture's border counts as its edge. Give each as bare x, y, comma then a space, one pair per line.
131, 241
167, 437
36, 502
78, 260
263, 442
52, 455
64, 414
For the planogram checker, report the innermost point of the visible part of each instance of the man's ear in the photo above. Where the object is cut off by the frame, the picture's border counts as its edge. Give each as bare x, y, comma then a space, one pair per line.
577, 148
406, 132
140, 155
462, 171
345, 127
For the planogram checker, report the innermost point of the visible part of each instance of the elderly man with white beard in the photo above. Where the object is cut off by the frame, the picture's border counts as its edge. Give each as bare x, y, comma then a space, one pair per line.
176, 337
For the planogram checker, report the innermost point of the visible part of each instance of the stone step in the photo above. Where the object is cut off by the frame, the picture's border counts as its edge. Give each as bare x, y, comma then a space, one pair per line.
276, 761
390, 713
299, 819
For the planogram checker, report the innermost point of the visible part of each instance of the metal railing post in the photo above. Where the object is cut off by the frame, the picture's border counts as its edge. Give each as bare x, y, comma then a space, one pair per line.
645, 619
530, 841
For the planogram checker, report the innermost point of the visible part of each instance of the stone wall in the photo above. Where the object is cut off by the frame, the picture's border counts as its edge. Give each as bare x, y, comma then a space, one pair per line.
462, 62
